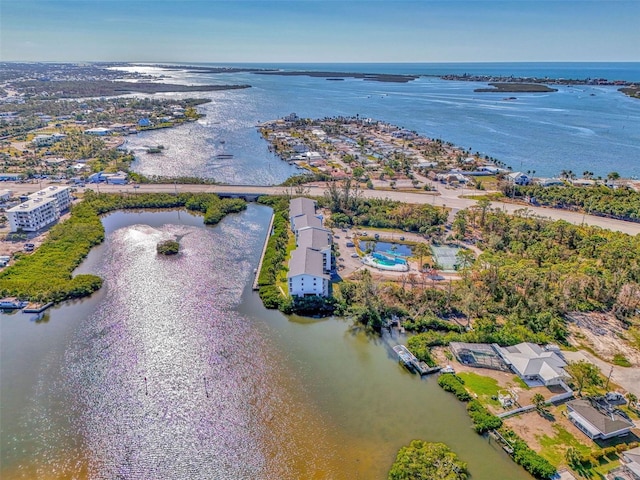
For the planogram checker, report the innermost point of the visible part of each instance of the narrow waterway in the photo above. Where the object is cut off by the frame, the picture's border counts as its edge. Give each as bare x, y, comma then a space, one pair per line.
175, 370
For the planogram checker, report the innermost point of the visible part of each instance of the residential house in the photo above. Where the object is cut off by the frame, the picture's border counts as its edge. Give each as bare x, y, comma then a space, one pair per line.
533, 364
98, 131
518, 178
596, 423
306, 276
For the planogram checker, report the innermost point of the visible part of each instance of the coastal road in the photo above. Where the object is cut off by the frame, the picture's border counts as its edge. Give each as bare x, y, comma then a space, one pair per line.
445, 198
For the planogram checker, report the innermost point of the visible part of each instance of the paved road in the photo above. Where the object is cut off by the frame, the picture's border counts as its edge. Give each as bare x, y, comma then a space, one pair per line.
446, 197
627, 377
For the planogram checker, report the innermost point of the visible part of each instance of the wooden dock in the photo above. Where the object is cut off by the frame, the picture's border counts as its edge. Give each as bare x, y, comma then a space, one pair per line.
264, 249
37, 307
410, 361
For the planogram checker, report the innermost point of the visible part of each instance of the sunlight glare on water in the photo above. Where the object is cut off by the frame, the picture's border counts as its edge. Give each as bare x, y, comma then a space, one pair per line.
169, 378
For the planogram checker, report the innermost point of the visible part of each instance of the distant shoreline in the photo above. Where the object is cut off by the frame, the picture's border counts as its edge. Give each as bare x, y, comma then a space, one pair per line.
517, 88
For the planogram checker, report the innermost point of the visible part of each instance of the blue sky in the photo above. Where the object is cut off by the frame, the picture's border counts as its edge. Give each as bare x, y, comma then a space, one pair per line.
319, 31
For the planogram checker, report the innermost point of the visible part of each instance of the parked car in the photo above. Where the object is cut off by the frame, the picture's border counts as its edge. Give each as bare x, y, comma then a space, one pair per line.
29, 247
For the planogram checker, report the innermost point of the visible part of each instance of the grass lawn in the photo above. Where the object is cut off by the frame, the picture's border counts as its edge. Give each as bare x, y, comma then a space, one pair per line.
554, 448
280, 283
521, 383
483, 387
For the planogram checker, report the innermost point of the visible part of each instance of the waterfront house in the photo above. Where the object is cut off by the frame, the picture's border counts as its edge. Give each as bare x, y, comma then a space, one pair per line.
306, 276
518, 178
549, 182
98, 131
533, 364
319, 240
596, 423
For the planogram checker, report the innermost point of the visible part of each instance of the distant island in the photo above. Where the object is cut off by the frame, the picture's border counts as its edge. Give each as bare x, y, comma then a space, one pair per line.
465, 77
517, 87
374, 77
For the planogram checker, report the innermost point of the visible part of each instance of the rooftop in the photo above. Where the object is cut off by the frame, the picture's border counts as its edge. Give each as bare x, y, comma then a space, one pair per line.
305, 261
301, 206
314, 238
604, 423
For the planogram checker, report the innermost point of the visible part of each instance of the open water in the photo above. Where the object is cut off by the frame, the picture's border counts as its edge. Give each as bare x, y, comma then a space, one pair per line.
578, 128
174, 370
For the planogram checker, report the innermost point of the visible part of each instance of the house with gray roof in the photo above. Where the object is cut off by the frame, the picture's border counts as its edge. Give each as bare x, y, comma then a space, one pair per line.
317, 239
596, 423
533, 364
306, 275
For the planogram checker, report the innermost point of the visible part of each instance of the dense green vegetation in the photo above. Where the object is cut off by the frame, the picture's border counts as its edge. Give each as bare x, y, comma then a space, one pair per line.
47, 274
622, 203
533, 463
168, 247
349, 208
483, 420
454, 384
427, 461
530, 274
275, 253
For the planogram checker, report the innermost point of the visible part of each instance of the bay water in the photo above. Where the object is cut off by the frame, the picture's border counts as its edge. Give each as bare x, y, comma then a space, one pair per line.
579, 128
175, 370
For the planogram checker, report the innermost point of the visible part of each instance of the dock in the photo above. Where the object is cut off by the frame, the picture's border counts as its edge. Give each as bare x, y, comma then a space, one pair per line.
37, 307
410, 361
264, 249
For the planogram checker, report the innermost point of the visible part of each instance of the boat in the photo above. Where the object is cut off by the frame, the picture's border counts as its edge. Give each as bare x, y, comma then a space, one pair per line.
12, 304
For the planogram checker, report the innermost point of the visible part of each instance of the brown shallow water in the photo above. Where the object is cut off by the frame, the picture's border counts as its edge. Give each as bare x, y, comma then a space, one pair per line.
175, 370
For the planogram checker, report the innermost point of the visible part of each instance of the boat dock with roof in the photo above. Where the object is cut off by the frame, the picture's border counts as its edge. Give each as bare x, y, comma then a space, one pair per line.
410, 361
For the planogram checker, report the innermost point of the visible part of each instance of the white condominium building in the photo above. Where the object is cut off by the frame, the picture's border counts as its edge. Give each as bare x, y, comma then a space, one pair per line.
43, 208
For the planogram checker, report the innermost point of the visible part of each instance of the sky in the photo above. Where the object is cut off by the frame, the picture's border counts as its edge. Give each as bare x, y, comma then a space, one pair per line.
320, 30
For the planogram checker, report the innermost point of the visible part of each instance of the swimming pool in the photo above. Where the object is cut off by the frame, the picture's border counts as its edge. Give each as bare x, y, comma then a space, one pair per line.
384, 262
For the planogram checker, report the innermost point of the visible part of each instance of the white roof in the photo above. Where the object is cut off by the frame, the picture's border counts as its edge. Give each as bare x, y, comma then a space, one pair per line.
32, 204
530, 359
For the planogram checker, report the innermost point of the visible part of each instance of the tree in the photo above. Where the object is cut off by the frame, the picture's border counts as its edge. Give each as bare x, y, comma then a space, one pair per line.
539, 401
465, 259
572, 456
484, 205
427, 461
584, 374
421, 250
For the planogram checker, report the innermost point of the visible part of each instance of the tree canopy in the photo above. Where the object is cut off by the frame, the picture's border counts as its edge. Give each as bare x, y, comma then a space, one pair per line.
427, 461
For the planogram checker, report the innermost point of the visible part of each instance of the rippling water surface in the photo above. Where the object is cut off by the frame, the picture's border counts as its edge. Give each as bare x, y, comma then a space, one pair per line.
175, 370
578, 128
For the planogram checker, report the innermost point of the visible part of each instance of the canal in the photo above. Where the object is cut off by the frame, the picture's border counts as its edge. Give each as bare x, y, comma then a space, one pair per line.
175, 370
